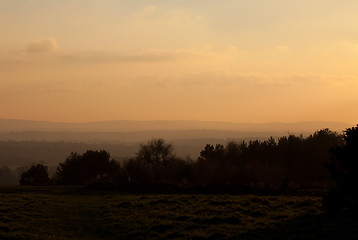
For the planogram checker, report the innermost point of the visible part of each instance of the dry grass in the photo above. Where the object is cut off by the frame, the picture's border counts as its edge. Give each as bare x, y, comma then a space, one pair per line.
68, 213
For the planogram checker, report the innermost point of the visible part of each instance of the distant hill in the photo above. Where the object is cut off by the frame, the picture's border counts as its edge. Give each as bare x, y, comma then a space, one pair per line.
10, 125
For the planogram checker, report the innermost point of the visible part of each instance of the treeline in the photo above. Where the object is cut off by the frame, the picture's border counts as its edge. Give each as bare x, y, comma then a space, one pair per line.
18, 153
289, 162
21, 153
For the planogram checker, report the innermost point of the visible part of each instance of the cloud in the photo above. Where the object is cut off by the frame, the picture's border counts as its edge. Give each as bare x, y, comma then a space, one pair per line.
149, 55
44, 45
283, 49
155, 55
245, 81
149, 10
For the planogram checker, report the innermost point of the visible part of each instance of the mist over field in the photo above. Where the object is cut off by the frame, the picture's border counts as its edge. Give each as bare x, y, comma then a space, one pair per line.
23, 142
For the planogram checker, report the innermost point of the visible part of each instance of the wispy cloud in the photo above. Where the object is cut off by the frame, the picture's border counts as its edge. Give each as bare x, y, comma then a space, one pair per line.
150, 55
283, 49
42, 46
244, 81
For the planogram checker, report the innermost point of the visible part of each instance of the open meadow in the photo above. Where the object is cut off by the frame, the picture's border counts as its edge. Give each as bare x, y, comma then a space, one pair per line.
77, 213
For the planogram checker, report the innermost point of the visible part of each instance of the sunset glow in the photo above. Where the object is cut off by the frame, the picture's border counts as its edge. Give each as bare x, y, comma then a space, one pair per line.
235, 60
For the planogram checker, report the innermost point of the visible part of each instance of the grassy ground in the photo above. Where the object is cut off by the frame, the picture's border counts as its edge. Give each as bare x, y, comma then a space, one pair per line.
66, 213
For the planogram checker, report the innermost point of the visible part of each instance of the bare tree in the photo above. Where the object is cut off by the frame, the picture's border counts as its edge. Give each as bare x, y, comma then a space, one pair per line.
159, 154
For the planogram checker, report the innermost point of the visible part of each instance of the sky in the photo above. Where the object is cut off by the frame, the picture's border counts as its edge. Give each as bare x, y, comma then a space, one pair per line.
231, 60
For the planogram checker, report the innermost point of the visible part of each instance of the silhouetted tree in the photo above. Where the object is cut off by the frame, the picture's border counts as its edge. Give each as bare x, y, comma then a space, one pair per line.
87, 168
212, 165
318, 151
37, 175
291, 162
212, 154
138, 171
180, 171
158, 154
344, 169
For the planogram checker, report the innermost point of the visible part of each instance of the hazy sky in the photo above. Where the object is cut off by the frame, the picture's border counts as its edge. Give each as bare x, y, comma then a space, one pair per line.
229, 60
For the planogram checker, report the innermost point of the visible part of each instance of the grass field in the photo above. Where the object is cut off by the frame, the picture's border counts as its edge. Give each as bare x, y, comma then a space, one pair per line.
70, 213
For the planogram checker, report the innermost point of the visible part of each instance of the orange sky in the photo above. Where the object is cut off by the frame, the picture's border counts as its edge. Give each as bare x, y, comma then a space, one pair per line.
239, 61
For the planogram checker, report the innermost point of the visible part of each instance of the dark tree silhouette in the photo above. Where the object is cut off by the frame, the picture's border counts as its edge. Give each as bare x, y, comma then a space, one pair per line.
158, 154
87, 168
287, 163
210, 167
211, 154
138, 171
37, 175
344, 169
